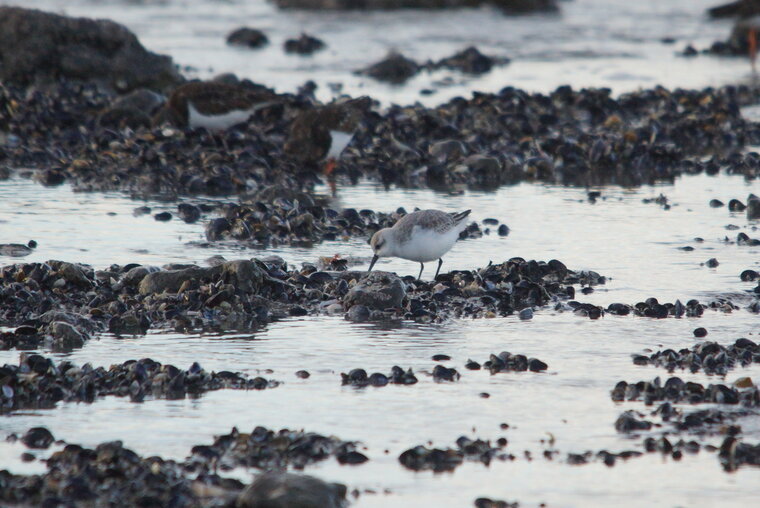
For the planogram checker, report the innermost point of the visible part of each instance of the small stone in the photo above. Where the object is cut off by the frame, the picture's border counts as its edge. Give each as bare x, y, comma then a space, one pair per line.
358, 313
394, 68
441, 358
248, 37
753, 207
304, 45
284, 490
303, 374
526, 314
716, 203
711, 263
700, 332
188, 213
503, 230
163, 216
38, 437
744, 382
536, 365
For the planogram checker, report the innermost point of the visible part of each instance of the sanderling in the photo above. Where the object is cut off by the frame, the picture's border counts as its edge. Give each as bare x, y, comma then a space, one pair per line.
213, 105
421, 236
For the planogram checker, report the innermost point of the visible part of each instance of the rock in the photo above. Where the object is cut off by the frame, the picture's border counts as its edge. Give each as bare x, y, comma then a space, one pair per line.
716, 203
121, 118
38, 437
245, 275
129, 323
394, 68
216, 229
74, 274
744, 382
508, 6
712, 263
627, 422
503, 230
65, 335
67, 317
188, 213
132, 110
736, 206
700, 332
304, 45
163, 216
17, 249
169, 281
753, 207
536, 365
358, 313
248, 37
40, 47
487, 170
526, 314
138, 273
447, 150
469, 60
288, 490
377, 290
141, 99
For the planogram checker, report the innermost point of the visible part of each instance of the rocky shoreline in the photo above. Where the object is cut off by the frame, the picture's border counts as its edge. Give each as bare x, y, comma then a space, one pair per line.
73, 123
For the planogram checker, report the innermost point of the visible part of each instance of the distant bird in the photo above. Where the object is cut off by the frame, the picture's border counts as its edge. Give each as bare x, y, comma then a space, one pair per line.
421, 236
17, 250
746, 29
320, 134
214, 105
741, 8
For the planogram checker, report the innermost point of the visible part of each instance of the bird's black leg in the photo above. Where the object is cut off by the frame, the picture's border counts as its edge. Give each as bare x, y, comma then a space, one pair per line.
440, 262
422, 267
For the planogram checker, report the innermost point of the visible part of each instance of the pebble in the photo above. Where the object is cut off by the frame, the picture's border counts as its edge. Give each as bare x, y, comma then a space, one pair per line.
359, 377
68, 382
421, 458
506, 362
163, 216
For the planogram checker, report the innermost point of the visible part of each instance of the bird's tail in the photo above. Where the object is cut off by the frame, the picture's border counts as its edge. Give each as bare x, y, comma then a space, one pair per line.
460, 216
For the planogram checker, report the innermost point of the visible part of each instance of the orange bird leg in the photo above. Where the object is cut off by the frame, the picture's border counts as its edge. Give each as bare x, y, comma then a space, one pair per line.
329, 168
752, 42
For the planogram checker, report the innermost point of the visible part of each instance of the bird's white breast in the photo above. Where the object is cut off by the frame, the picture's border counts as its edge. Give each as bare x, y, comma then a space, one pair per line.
340, 141
197, 119
426, 244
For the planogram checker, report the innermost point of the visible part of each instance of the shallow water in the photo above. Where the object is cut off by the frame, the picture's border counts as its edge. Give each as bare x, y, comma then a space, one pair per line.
592, 43
634, 244
598, 43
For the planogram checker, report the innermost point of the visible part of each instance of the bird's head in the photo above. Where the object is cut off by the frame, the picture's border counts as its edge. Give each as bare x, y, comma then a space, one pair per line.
381, 245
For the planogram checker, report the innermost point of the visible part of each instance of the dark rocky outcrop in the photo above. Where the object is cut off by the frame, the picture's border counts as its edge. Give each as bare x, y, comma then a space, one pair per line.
508, 6
288, 490
247, 37
395, 68
378, 291
39, 47
304, 45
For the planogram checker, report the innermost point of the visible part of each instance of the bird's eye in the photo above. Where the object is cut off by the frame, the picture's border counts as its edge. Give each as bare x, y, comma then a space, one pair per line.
379, 245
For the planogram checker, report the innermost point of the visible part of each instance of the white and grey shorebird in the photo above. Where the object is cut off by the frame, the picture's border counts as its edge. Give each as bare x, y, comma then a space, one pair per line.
422, 236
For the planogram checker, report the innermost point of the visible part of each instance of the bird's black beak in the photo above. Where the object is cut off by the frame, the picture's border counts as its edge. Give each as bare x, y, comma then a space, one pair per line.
374, 260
